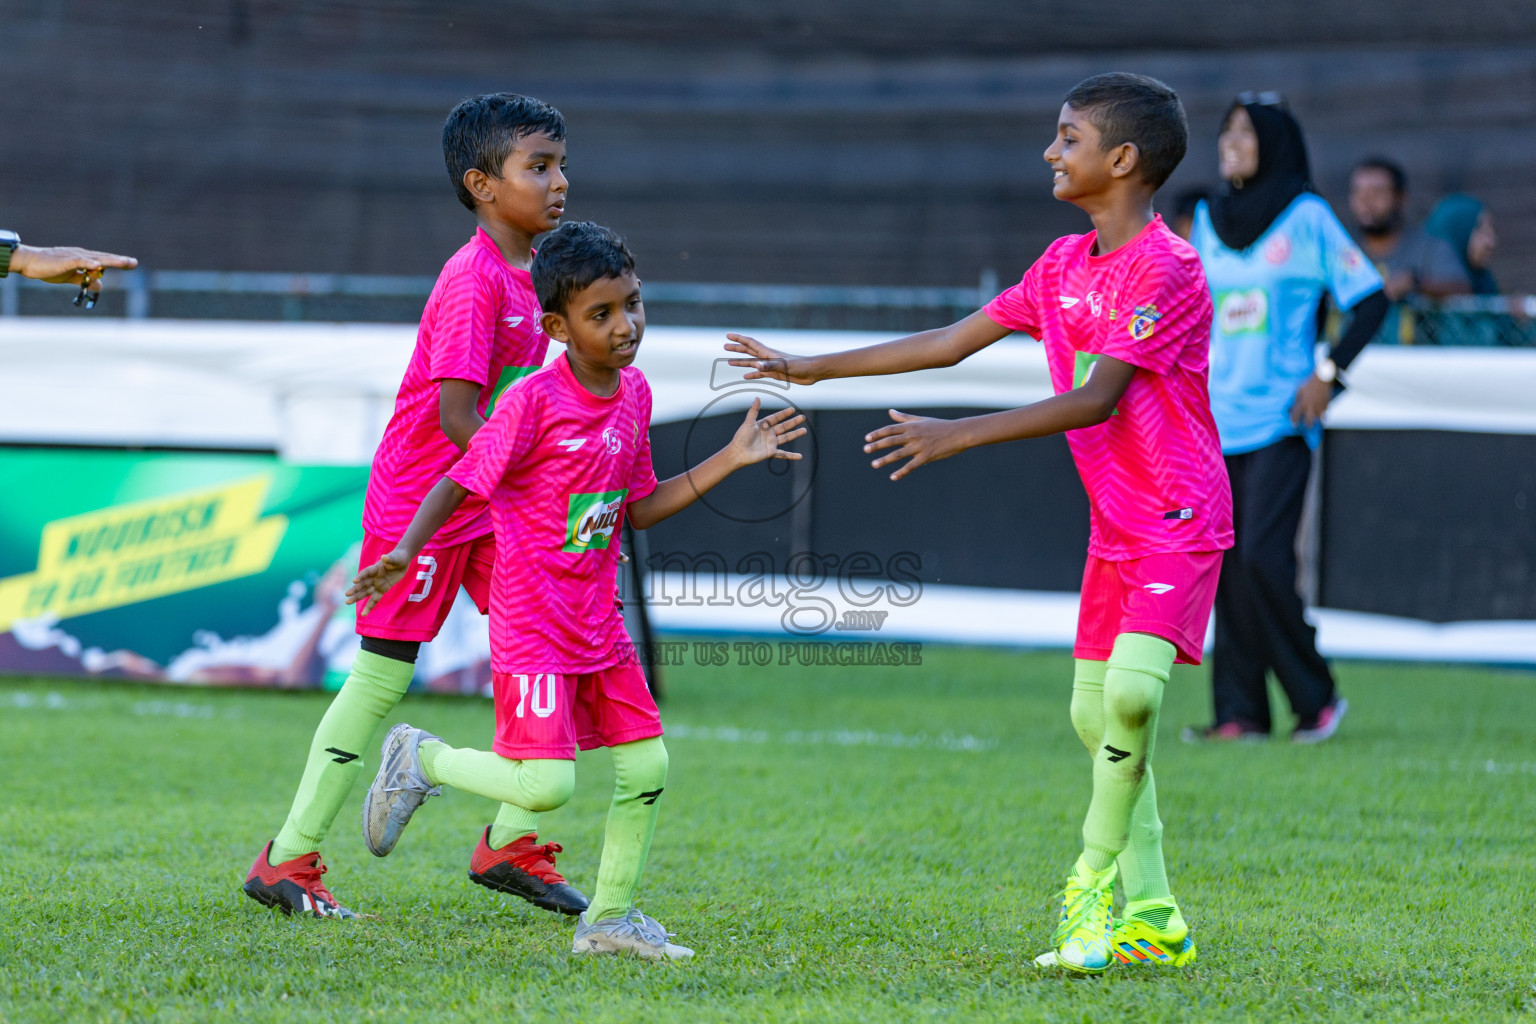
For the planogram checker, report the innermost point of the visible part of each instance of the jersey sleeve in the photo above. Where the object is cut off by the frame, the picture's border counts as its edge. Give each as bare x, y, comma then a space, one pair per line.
506, 439
464, 328
1350, 276
1165, 303
1017, 308
642, 474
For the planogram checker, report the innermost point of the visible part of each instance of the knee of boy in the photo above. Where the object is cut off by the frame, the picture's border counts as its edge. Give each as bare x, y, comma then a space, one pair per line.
550, 785
641, 767
1088, 717
369, 696
1131, 698
656, 765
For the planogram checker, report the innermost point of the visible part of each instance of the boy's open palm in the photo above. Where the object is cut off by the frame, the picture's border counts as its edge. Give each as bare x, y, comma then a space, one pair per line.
760, 439
920, 439
370, 584
767, 363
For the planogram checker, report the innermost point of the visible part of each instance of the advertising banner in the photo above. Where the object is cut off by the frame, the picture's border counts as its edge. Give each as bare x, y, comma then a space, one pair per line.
191, 567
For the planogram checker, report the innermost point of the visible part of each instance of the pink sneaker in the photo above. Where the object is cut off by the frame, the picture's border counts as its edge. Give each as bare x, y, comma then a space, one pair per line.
1326, 725
1226, 732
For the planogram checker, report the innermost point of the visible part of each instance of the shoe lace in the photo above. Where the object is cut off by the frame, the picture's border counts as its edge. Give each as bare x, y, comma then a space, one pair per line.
647, 928
308, 877
540, 860
407, 781
1078, 902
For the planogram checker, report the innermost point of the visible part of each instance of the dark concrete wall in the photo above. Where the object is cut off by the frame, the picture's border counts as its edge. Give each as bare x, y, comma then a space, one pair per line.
847, 141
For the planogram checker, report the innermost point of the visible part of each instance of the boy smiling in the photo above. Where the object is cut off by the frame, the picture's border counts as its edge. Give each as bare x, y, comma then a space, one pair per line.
480, 331
563, 459
1125, 316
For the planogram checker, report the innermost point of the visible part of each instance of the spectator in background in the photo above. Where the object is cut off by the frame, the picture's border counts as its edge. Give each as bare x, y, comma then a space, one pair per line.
1467, 226
1410, 261
1272, 250
1184, 206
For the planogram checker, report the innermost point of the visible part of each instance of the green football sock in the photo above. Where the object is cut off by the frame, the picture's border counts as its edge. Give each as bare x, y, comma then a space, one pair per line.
511, 822
534, 785
1133, 692
1143, 875
1088, 702
371, 691
639, 774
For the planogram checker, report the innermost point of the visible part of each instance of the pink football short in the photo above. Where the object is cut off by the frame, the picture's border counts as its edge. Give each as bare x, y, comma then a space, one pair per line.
415, 608
548, 715
1167, 595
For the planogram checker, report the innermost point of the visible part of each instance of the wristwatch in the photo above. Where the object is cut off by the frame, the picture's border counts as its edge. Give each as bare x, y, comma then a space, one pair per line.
10, 241
1327, 370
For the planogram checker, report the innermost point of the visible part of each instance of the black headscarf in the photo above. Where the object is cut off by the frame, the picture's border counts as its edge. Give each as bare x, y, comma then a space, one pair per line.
1241, 215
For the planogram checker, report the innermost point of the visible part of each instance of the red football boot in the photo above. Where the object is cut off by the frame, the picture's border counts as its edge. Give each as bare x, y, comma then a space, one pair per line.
525, 869
293, 886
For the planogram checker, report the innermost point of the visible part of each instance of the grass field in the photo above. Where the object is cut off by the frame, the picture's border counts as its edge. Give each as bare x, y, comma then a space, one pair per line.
837, 844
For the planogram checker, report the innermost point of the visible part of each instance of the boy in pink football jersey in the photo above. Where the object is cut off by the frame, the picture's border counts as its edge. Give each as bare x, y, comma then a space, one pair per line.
565, 457
480, 331
1125, 316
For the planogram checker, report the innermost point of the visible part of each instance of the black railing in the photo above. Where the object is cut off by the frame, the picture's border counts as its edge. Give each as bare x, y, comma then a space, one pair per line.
1500, 320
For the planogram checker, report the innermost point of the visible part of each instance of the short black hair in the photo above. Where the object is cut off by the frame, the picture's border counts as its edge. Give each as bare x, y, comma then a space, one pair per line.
1393, 169
573, 256
1139, 110
482, 131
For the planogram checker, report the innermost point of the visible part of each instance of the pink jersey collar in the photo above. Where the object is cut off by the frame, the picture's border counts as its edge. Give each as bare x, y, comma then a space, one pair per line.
569, 377
487, 242
1105, 259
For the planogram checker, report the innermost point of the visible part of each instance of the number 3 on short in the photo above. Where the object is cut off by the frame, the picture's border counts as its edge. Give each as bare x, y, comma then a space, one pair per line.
425, 576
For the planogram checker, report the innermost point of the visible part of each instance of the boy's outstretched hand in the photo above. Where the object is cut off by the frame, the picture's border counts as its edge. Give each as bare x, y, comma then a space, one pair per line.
923, 438
767, 363
370, 584
760, 439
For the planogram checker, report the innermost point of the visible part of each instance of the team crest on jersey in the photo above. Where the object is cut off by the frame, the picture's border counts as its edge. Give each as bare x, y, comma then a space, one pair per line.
612, 440
1144, 322
591, 519
1277, 250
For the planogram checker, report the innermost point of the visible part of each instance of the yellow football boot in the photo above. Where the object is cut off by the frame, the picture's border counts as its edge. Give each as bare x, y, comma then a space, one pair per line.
1082, 937
1136, 940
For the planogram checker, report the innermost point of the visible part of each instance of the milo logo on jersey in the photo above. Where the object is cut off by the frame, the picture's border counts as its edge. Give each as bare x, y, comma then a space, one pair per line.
1242, 311
591, 519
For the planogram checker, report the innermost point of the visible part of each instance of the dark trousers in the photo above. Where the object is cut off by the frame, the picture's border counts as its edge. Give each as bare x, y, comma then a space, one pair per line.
1259, 620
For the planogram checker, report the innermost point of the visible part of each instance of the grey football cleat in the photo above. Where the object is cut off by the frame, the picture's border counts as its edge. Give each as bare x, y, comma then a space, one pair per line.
400, 787
634, 933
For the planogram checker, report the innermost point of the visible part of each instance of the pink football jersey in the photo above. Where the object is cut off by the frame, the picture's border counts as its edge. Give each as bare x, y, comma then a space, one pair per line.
481, 324
558, 464
1154, 474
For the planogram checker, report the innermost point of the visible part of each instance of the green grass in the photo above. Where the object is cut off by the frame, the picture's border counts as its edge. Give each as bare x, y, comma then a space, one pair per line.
1380, 877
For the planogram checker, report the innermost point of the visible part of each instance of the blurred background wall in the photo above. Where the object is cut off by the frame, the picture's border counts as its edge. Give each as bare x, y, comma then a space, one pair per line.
844, 141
